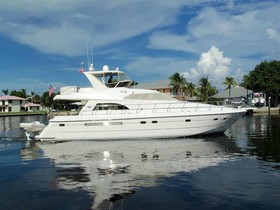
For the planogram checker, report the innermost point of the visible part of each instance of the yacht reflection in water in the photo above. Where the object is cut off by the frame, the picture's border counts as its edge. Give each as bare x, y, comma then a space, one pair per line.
111, 170
30, 151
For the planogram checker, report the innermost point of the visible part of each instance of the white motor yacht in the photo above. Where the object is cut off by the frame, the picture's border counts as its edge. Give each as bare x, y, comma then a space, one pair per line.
113, 111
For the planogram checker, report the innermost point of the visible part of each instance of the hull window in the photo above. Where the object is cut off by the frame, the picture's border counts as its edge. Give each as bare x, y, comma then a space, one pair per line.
62, 125
215, 118
103, 123
93, 124
143, 122
187, 120
154, 121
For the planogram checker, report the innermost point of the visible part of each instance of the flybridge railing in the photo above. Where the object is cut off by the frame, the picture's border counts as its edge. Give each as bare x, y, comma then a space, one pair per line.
107, 109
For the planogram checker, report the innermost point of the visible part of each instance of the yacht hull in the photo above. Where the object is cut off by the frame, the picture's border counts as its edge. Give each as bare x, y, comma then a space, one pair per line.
115, 128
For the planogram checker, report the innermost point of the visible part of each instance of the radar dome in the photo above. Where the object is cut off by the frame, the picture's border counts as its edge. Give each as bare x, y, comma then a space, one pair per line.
105, 68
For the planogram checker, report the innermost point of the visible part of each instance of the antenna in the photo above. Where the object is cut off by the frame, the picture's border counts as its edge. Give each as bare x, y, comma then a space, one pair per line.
91, 50
87, 54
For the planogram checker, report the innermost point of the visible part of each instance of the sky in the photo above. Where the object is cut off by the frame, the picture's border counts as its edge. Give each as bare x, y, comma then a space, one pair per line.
46, 42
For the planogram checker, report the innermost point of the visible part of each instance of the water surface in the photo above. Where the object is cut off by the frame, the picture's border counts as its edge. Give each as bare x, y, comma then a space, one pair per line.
238, 170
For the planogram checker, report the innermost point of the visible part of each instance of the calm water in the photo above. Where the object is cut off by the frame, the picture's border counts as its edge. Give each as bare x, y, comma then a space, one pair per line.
238, 170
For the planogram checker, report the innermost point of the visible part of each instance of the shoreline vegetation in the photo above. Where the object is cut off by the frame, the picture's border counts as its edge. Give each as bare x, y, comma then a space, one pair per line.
7, 114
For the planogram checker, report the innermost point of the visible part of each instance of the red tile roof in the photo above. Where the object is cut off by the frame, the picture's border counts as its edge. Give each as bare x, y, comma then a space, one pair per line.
15, 98
28, 104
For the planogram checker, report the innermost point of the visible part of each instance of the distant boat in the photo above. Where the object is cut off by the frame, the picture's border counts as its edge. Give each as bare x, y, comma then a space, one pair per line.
113, 110
32, 128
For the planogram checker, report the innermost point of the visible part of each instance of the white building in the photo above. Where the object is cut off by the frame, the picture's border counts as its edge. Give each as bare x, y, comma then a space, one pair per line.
17, 104
31, 107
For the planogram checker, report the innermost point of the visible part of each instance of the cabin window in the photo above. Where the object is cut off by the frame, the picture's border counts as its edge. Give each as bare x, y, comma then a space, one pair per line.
143, 122
215, 118
154, 121
225, 118
187, 120
109, 106
62, 125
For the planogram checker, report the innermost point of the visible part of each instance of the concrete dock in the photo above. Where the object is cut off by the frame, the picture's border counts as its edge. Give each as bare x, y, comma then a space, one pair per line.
265, 110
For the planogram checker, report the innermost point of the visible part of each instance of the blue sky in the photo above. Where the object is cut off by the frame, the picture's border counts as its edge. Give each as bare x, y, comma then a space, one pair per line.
44, 42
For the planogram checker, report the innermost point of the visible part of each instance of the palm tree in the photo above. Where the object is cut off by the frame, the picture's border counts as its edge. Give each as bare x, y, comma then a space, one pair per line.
178, 82
5, 91
191, 89
23, 92
229, 82
205, 86
32, 95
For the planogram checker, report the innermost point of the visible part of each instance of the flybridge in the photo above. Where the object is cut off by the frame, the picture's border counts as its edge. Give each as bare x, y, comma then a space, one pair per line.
106, 78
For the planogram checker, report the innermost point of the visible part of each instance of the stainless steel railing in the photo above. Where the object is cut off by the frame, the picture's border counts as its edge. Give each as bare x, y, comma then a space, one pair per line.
108, 109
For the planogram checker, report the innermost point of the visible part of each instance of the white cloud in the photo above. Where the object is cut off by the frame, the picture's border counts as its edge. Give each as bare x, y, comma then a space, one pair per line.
169, 41
240, 33
63, 27
175, 32
212, 64
151, 69
273, 34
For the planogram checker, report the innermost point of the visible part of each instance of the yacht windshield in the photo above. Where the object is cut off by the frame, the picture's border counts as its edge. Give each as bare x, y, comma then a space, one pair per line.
114, 79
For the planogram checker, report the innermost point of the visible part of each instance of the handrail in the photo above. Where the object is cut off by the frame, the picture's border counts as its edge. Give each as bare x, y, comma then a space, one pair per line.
154, 108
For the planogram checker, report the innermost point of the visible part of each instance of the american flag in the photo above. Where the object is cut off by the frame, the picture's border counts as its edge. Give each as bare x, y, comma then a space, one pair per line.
52, 89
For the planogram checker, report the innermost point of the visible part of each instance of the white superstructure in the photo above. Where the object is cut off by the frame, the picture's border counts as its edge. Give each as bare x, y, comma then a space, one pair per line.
113, 111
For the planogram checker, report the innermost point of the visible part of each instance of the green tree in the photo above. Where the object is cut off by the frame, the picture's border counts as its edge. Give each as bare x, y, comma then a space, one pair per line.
178, 82
206, 89
19, 93
36, 99
204, 86
229, 82
46, 100
265, 78
5, 91
191, 89
32, 95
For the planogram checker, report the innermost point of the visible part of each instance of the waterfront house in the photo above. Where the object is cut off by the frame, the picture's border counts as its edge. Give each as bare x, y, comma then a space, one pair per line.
16, 104
239, 95
11, 104
162, 86
31, 107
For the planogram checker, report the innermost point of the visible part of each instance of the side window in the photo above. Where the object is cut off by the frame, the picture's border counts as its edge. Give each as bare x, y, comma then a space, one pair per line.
109, 106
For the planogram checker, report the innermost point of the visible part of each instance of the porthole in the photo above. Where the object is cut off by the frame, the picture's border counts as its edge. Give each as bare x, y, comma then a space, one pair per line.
187, 120
215, 118
143, 122
62, 124
154, 121
225, 118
